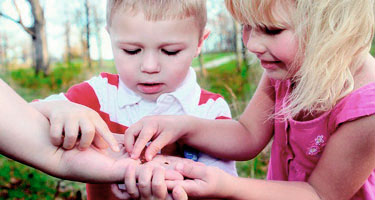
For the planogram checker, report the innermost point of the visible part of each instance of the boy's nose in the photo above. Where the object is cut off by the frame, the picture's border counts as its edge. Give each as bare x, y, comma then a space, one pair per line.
150, 63
255, 43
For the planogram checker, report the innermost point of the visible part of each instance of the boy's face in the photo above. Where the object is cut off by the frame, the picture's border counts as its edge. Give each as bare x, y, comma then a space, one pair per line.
153, 57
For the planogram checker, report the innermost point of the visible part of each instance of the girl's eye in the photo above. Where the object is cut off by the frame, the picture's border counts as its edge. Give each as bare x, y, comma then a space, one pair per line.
271, 31
132, 52
170, 53
246, 28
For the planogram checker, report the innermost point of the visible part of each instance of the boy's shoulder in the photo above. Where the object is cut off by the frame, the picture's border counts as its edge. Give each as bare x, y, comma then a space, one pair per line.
207, 95
112, 79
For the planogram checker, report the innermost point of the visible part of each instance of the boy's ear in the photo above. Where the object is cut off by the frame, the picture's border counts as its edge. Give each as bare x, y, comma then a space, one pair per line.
205, 35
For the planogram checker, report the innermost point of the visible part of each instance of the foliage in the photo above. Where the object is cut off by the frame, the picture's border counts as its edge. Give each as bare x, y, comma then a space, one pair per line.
60, 77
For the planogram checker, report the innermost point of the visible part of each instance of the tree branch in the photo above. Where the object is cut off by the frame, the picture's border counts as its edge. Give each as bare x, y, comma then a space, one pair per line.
28, 30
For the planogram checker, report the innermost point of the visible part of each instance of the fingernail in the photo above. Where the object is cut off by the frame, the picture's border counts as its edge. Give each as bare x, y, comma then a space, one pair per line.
179, 167
133, 156
149, 158
116, 148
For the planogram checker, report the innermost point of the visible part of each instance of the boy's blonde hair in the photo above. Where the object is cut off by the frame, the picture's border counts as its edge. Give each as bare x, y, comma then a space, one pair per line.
155, 10
334, 37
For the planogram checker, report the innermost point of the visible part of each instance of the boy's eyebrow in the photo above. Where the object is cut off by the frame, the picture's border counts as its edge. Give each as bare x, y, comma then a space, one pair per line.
161, 44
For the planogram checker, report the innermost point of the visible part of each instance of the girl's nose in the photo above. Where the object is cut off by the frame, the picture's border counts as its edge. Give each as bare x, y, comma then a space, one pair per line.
150, 63
254, 42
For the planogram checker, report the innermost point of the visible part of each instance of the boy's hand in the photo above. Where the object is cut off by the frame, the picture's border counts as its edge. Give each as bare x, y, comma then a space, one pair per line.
71, 122
162, 130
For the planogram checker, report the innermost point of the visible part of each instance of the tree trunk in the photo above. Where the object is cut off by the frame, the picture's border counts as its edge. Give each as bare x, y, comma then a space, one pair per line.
87, 10
68, 50
201, 65
39, 39
98, 22
38, 35
238, 45
3, 51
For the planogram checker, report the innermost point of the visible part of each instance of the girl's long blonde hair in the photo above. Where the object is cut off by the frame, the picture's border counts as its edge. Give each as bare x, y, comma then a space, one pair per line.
334, 37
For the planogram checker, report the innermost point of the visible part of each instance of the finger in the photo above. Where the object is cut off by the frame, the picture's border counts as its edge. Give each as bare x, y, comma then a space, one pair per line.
169, 197
159, 187
56, 131
87, 134
71, 128
189, 186
130, 181
103, 130
156, 146
129, 136
121, 194
144, 182
191, 170
173, 175
178, 193
144, 137
99, 142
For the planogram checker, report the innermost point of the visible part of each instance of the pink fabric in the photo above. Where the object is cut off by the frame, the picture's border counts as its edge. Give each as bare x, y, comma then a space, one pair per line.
298, 145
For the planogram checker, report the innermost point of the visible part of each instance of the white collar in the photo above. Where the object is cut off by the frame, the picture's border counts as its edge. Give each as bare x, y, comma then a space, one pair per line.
187, 94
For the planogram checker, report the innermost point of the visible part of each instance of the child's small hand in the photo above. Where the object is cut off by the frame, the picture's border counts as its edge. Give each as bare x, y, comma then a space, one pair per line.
203, 181
72, 123
148, 180
162, 130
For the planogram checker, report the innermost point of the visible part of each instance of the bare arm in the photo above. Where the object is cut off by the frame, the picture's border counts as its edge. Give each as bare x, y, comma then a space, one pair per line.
346, 163
239, 140
24, 137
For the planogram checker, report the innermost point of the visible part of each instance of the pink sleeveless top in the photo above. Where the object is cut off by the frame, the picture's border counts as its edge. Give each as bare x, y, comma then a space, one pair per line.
298, 145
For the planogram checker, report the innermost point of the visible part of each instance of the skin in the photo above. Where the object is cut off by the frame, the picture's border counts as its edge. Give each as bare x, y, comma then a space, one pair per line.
249, 135
24, 137
151, 58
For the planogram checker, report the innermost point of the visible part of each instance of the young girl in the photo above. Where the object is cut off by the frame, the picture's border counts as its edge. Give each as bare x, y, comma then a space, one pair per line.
316, 99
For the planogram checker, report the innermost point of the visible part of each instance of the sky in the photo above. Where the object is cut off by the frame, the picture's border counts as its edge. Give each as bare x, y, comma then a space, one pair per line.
56, 12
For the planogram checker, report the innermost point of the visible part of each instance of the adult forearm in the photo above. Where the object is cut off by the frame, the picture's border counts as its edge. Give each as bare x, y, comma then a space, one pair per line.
24, 131
24, 137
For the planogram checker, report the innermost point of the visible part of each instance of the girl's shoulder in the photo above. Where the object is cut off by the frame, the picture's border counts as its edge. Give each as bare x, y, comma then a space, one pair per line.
357, 104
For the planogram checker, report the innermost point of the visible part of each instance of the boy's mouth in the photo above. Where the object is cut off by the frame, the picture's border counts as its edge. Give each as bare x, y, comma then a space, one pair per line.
150, 88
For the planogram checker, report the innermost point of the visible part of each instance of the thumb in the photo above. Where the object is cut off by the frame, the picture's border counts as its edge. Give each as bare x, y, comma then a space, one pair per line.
173, 175
192, 170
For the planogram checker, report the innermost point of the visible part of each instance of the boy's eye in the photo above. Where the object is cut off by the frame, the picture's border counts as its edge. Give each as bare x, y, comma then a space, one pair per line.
272, 30
132, 52
170, 53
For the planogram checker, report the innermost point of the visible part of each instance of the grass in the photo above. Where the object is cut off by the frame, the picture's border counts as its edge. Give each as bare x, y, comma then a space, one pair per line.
18, 181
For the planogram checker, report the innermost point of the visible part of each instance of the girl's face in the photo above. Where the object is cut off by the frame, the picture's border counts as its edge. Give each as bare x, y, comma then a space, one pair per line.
276, 48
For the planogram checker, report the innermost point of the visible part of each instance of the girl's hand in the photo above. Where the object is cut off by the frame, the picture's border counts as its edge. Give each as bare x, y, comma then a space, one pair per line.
72, 123
162, 130
147, 181
203, 181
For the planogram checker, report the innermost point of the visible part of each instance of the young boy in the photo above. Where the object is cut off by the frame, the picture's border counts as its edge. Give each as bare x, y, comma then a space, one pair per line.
153, 44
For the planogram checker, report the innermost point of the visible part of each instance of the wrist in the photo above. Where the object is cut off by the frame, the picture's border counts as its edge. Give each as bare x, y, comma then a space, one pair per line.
187, 131
226, 190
